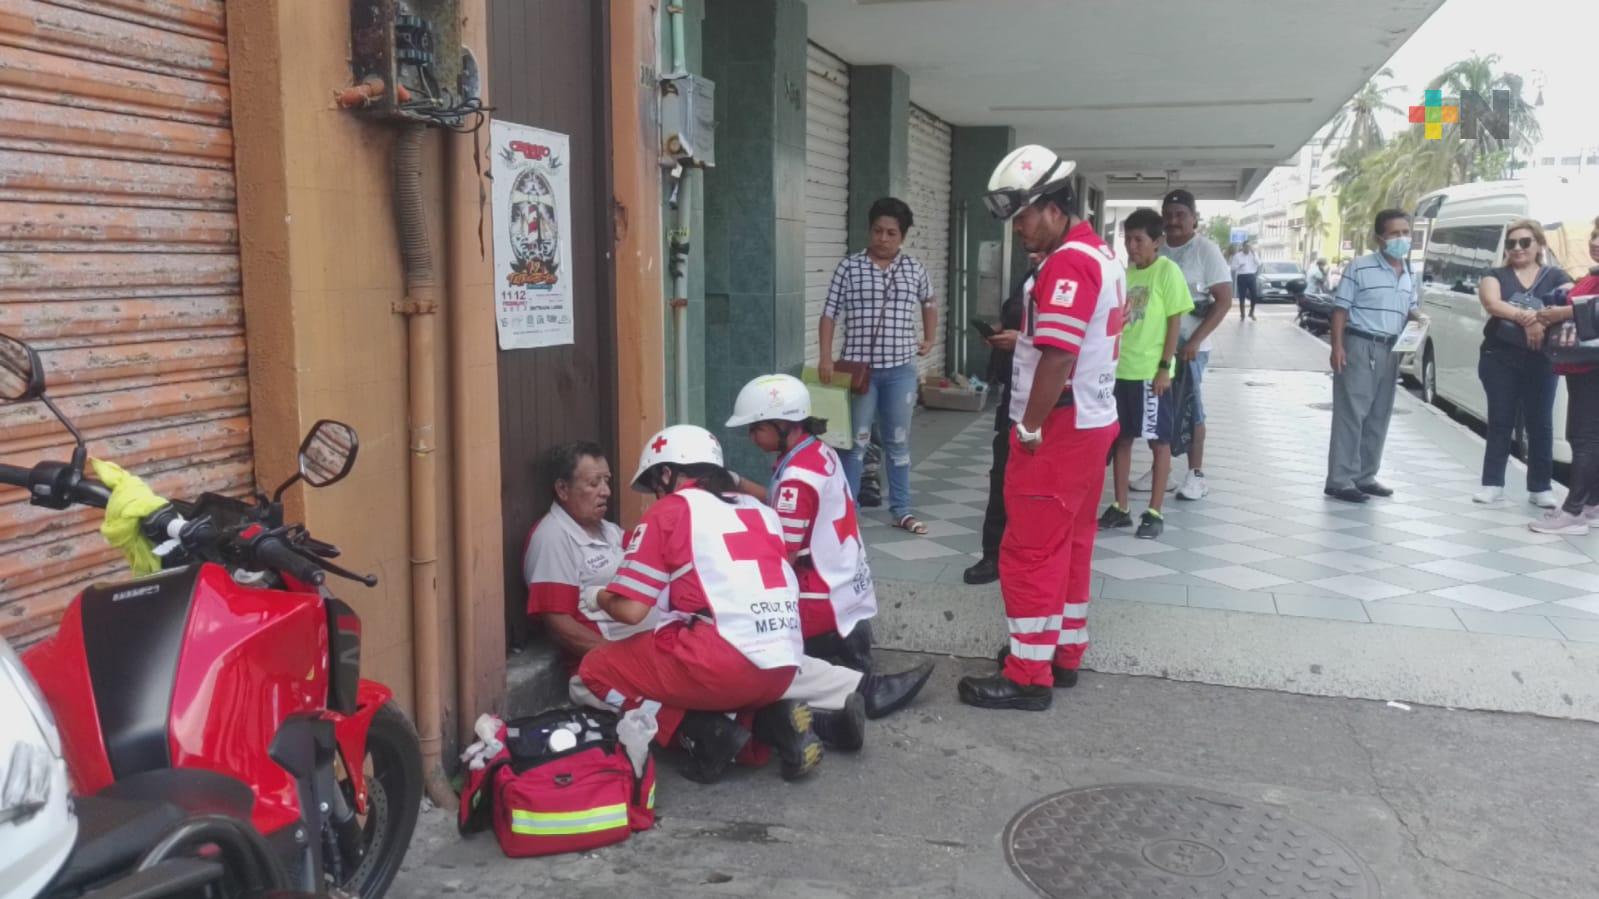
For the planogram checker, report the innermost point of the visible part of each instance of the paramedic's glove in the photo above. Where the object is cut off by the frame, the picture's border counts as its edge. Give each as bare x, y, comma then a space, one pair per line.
131, 501
589, 602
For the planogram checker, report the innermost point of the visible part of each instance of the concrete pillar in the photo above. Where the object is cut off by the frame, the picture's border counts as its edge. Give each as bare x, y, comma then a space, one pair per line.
754, 232
973, 154
879, 142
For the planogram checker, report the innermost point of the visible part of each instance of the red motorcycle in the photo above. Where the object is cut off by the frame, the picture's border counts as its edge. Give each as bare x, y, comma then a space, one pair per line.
234, 658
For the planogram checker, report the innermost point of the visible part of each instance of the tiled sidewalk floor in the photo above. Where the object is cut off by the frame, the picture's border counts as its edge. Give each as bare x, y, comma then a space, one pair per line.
1267, 541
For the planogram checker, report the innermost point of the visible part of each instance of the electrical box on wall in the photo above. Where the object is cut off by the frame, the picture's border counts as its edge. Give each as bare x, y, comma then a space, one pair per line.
408, 61
688, 120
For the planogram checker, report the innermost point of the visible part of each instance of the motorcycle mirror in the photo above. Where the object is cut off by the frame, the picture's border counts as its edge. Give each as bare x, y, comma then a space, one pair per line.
328, 453
21, 373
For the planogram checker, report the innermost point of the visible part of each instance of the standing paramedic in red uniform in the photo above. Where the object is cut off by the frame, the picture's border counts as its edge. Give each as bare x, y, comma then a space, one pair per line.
1063, 402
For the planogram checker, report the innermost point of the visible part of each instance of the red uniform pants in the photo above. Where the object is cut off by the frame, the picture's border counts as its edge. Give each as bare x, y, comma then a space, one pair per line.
1051, 495
682, 668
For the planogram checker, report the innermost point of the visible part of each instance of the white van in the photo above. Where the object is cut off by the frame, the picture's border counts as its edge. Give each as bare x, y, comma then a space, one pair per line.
1465, 239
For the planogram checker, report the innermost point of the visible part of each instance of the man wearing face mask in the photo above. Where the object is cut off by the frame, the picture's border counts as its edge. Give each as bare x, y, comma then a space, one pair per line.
1375, 298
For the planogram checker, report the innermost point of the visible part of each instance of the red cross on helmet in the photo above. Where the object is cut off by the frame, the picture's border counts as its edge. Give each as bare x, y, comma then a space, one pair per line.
771, 398
679, 445
1026, 174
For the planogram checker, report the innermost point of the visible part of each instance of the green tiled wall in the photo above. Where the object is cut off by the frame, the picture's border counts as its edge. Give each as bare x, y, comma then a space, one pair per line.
754, 233
694, 16
974, 154
879, 142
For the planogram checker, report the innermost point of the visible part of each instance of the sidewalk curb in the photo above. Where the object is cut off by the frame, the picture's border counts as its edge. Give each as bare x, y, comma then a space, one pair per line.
1270, 652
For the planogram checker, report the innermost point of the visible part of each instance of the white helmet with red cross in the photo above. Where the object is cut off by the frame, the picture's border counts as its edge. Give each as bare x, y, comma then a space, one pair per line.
677, 445
1023, 176
771, 398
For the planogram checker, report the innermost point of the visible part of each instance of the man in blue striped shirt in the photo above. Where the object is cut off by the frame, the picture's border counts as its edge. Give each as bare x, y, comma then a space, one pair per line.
1375, 299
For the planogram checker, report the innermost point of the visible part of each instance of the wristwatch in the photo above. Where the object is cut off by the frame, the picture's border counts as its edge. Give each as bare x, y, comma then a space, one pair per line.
1165, 364
1025, 436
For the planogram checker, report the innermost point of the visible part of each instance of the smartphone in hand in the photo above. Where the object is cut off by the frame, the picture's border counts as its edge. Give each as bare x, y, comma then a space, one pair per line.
983, 328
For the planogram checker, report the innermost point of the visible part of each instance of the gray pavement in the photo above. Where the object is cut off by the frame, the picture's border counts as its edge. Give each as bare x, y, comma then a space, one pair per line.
1263, 680
1267, 583
1439, 804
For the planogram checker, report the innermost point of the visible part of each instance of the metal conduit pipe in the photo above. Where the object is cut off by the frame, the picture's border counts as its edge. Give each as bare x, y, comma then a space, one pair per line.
422, 295
680, 237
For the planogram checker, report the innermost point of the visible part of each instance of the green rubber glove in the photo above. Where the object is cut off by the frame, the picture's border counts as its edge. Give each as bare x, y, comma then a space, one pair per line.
131, 500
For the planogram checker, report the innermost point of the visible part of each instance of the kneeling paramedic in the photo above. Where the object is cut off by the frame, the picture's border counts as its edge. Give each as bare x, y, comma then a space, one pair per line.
1063, 402
729, 642
821, 531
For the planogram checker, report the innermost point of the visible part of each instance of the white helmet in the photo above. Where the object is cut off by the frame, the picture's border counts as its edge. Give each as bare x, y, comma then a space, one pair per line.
1024, 175
771, 398
679, 445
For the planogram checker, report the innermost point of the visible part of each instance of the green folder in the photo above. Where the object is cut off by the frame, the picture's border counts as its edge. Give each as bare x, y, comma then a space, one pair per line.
832, 403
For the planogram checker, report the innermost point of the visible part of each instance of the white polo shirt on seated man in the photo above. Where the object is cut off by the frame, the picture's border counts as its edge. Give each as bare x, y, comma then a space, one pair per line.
573, 552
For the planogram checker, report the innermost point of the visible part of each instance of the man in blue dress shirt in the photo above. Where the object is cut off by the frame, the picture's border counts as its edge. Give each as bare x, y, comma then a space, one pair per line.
1375, 299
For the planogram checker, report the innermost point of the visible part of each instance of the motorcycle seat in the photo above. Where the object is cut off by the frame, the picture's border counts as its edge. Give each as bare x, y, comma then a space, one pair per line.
112, 835
194, 791
121, 823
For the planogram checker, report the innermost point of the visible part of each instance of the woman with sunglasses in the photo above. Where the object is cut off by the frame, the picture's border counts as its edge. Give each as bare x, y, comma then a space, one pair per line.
1517, 378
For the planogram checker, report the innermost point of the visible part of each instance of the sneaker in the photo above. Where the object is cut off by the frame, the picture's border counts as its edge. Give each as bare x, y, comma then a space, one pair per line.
1488, 495
1115, 517
1150, 525
1193, 487
1591, 514
1560, 522
1543, 499
1145, 482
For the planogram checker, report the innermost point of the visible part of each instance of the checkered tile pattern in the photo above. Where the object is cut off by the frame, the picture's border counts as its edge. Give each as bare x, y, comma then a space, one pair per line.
1267, 541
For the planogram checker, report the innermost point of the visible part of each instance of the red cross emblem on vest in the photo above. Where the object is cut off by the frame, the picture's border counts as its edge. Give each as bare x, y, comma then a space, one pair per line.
846, 526
755, 544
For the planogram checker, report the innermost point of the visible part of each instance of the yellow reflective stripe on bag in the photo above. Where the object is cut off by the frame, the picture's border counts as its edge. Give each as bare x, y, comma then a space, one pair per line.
651, 803
604, 817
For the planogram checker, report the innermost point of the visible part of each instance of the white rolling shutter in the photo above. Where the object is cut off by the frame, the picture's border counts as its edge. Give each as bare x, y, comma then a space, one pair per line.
826, 182
929, 202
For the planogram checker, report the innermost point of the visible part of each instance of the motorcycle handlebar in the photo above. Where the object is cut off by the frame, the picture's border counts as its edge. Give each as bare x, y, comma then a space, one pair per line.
275, 553
14, 475
91, 493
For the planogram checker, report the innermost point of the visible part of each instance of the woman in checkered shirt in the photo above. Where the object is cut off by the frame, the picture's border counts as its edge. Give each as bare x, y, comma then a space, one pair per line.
881, 292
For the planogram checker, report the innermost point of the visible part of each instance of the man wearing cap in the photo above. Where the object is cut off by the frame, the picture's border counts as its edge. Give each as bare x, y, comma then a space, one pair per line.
1063, 382
1210, 282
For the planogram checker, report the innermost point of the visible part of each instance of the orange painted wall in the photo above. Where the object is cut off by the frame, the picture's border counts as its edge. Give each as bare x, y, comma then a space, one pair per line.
321, 270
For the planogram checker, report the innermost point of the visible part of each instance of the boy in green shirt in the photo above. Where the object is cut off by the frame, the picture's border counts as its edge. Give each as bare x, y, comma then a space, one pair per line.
1157, 300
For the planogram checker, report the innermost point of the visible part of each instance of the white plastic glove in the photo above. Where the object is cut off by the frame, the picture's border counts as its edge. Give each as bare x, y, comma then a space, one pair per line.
635, 731
589, 602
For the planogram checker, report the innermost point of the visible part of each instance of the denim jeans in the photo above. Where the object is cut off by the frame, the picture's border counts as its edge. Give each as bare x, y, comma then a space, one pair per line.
1518, 382
888, 402
1582, 430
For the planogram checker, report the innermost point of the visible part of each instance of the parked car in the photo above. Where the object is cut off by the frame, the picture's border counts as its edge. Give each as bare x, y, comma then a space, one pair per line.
1464, 241
1272, 284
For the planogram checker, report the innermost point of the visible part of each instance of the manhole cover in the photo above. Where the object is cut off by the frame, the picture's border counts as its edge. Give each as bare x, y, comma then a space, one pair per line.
1147, 841
1327, 407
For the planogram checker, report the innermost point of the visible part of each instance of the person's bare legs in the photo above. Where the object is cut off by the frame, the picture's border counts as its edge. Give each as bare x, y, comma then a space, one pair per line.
1122, 469
1160, 473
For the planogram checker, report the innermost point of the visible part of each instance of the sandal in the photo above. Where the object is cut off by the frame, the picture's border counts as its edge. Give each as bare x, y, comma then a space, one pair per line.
909, 523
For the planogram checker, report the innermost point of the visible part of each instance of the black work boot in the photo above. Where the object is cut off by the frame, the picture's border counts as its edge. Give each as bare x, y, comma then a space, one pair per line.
855, 650
997, 691
888, 693
786, 725
712, 740
985, 571
845, 728
1065, 678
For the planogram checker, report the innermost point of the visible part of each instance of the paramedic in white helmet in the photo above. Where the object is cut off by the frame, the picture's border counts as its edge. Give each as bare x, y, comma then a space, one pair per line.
1063, 403
810, 492
712, 561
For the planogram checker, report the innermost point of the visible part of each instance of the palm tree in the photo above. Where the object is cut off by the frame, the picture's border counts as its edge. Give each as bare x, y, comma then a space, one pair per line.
1486, 156
1357, 124
1313, 224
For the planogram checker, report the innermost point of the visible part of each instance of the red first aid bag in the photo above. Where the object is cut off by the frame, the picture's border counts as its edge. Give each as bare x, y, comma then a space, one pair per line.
548, 794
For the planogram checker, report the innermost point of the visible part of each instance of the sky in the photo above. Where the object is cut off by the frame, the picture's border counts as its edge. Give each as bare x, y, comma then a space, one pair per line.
1551, 37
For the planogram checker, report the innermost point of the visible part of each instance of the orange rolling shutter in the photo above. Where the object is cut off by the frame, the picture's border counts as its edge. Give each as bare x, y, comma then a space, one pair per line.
119, 261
